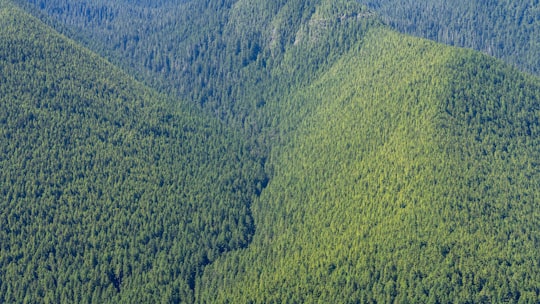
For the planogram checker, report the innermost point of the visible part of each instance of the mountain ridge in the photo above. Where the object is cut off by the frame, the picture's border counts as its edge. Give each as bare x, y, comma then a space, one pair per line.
504, 29
361, 210
108, 188
395, 169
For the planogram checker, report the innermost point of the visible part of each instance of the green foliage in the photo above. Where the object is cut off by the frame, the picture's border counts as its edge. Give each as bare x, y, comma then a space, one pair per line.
109, 193
401, 170
230, 57
505, 29
413, 180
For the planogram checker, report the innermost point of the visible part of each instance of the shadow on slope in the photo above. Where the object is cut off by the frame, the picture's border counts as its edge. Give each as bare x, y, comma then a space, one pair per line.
109, 192
415, 180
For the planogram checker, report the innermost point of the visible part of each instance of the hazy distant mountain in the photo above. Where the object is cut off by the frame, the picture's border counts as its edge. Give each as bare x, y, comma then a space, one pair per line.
502, 28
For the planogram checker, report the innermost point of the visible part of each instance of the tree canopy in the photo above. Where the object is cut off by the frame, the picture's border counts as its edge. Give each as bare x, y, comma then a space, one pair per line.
261, 152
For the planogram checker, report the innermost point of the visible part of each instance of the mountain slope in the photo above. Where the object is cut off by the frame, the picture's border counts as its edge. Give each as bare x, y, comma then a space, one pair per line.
414, 180
230, 57
109, 193
504, 29
401, 170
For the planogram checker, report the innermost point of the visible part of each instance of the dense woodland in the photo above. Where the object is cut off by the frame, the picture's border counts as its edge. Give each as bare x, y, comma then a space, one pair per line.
412, 183
230, 57
264, 152
108, 192
505, 29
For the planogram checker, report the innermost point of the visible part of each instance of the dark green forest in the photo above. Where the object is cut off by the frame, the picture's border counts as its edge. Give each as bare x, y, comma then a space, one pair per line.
502, 28
232, 58
109, 193
412, 183
268, 152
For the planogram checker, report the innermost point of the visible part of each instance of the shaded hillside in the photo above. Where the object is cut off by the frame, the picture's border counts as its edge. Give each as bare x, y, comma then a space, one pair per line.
415, 180
230, 57
505, 29
108, 192
225, 55
401, 170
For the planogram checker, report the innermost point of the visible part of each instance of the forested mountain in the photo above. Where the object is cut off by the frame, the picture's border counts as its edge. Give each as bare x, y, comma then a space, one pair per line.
109, 192
231, 57
506, 29
415, 180
348, 163
216, 52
